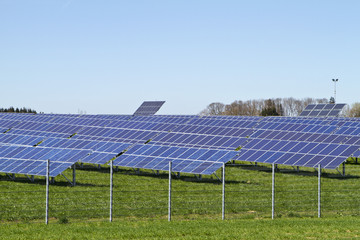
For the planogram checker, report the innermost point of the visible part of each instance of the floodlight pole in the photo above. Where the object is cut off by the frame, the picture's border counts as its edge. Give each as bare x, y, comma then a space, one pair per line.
335, 81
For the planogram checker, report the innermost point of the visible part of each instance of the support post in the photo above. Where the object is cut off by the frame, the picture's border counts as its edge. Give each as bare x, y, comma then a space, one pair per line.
223, 192
169, 203
319, 191
47, 192
273, 192
74, 175
111, 191
343, 165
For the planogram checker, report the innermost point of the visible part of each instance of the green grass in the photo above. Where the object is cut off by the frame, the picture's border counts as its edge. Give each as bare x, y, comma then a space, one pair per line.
294, 228
144, 195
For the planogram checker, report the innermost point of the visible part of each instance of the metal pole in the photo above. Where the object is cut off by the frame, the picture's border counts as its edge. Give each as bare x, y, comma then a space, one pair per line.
74, 175
273, 192
111, 191
335, 81
169, 203
47, 191
319, 191
223, 191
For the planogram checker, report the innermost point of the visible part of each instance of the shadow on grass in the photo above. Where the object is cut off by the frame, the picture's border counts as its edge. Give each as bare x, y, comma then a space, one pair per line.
38, 180
262, 168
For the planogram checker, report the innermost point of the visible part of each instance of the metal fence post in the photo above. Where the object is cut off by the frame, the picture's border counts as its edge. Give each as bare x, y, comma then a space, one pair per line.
47, 191
273, 192
223, 191
74, 175
169, 203
319, 191
111, 191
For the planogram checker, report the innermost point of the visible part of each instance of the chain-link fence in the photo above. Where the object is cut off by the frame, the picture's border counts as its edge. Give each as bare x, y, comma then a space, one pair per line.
250, 191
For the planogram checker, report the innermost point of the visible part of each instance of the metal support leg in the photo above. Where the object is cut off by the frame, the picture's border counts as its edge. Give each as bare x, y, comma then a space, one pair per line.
74, 175
343, 169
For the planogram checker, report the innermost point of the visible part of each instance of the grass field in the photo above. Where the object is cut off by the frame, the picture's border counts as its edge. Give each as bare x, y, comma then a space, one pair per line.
144, 195
303, 228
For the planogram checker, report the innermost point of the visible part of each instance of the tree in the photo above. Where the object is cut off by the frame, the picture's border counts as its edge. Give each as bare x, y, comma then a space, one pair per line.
284, 107
354, 110
17, 110
269, 109
215, 108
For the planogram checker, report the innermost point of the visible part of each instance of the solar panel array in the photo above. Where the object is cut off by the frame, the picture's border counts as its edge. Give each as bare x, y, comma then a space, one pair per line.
322, 110
148, 108
194, 144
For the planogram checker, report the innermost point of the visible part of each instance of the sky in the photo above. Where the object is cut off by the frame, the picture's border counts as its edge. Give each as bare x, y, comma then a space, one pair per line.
107, 57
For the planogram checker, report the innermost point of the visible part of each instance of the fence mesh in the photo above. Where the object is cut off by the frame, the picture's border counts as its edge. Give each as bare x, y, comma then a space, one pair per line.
144, 194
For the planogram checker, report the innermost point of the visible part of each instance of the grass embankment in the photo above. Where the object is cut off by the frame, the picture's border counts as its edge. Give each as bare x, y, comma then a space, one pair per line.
331, 228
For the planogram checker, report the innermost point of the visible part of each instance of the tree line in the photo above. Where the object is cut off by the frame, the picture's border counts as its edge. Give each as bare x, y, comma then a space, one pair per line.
17, 110
290, 107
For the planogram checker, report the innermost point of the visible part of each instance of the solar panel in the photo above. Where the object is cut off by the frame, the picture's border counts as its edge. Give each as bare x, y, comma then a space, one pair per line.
322, 110
148, 108
187, 160
33, 167
188, 140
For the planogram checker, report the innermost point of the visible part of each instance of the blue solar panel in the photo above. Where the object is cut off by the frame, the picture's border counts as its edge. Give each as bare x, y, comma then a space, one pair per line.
193, 160
149, 108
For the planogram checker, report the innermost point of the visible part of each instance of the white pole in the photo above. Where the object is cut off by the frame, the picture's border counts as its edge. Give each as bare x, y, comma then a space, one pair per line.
111, 191
169, 203
319, 191
273, 192
47, 191
223, 191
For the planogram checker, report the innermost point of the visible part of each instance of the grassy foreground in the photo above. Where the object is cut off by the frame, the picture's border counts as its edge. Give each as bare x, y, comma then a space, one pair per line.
331, 228
144, 195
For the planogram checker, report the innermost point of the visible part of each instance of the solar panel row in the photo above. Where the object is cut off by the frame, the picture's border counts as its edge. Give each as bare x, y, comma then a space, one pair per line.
105, 136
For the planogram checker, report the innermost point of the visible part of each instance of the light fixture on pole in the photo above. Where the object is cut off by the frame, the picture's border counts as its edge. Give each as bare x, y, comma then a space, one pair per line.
335, 81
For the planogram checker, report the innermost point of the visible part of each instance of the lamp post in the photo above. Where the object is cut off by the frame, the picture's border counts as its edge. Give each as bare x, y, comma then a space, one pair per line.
335, 81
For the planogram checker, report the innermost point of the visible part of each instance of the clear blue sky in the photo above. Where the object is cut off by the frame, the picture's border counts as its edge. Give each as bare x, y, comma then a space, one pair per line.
109, 56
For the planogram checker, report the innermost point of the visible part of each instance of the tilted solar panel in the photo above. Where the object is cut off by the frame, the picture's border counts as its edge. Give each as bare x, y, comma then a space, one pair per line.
148, 108
187, 160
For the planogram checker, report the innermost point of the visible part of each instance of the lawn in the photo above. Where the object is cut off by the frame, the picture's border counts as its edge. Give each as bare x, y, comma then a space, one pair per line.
144, 195
296, 228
